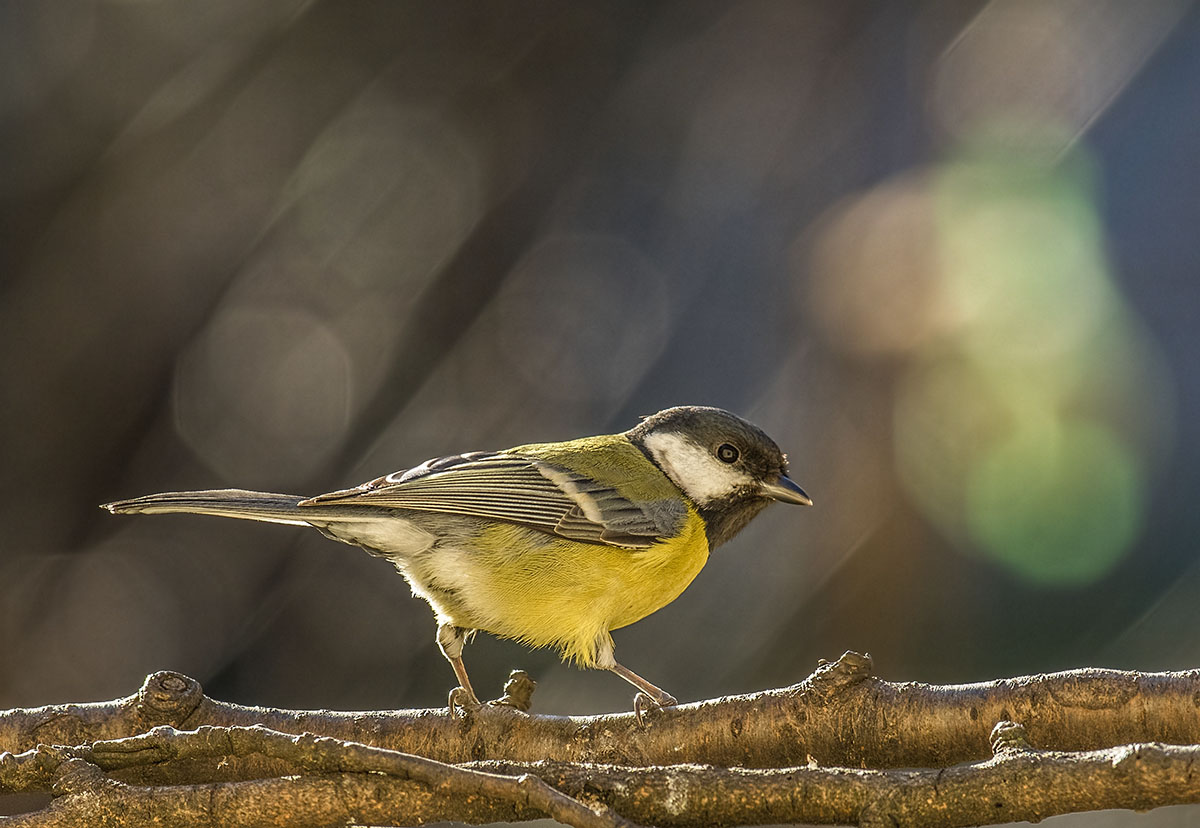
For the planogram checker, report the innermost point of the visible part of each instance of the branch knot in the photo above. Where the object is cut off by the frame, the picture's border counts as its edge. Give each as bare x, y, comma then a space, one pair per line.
167, 697
518, 691
831, 678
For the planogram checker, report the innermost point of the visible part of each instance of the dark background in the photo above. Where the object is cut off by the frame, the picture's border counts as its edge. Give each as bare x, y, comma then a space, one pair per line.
945, 252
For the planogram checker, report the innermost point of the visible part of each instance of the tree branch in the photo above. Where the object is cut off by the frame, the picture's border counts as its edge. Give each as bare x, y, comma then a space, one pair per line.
840, 715
60, 768
355, 783
324, 755
1018, 783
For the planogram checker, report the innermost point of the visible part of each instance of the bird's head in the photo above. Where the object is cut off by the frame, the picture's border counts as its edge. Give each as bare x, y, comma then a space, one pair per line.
726, 466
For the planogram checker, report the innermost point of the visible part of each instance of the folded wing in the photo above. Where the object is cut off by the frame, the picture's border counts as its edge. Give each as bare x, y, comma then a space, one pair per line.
521, 490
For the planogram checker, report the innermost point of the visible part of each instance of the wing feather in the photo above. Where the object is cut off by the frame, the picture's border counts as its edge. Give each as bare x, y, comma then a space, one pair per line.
521, 490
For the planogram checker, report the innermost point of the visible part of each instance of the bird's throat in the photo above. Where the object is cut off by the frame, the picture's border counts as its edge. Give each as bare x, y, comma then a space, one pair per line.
726, 517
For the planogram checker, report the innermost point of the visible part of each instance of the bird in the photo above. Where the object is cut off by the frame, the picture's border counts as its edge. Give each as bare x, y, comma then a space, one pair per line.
551, 544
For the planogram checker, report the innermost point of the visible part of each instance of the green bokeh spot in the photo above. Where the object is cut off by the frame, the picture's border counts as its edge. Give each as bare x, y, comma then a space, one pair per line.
1059, 502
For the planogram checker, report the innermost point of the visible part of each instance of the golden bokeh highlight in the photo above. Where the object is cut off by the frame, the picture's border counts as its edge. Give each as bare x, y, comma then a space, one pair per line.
987, 278
875, 269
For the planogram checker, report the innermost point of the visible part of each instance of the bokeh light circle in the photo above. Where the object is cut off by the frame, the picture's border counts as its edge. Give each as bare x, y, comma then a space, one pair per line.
1057, 502
263, 396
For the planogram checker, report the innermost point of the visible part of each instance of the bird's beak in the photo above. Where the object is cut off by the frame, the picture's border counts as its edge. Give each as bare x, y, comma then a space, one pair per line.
786, 491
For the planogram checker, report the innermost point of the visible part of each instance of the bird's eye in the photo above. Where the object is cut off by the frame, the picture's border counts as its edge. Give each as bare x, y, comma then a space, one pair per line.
727, 453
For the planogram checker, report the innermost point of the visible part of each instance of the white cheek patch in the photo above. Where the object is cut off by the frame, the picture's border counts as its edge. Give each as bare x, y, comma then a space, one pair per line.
693, 468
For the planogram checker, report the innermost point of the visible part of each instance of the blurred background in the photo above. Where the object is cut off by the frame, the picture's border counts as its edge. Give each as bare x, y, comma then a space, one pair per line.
944, 252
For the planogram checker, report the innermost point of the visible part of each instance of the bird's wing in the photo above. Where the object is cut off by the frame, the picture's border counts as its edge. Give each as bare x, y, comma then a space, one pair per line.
518, 489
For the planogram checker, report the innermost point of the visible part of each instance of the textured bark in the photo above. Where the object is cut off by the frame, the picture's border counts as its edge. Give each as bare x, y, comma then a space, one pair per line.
131, 762
305, 754
840, 715
1018, 783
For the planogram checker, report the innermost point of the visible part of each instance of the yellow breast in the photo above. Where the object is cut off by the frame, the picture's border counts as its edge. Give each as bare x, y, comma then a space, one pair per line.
553, 592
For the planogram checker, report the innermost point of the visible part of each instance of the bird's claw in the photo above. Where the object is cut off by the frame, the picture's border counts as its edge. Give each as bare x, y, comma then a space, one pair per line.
644, 703
462, 699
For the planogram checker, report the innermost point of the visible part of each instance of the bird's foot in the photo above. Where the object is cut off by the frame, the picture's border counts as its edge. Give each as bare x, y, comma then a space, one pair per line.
644, 703
462, 701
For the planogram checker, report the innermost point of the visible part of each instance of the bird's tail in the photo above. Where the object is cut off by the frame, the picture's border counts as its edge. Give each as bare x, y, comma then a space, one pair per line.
234, 503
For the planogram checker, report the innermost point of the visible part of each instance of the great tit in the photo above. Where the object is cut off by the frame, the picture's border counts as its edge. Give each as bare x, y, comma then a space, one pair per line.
552, 544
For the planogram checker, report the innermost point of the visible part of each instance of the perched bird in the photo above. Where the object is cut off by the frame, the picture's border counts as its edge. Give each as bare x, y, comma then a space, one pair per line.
552, 544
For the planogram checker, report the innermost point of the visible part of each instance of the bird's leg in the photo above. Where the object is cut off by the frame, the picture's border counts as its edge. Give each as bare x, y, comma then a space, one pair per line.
650, 697
464, 694
450, 641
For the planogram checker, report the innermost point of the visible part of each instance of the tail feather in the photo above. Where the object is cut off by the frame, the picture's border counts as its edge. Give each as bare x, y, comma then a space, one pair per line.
234, 503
